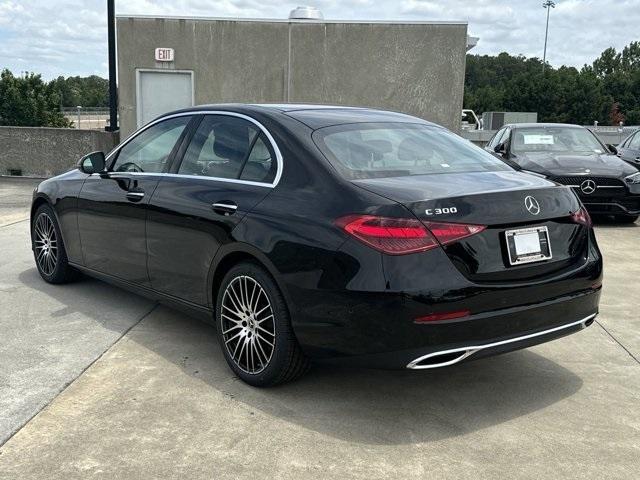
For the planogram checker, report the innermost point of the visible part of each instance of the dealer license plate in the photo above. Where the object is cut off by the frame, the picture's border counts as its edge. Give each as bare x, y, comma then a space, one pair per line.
528, 245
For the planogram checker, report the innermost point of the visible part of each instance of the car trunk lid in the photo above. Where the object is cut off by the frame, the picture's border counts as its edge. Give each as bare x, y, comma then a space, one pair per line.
502, 202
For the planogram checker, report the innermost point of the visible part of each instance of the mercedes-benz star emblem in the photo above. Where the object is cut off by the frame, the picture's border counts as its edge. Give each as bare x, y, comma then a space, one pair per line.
532, 205
588, 187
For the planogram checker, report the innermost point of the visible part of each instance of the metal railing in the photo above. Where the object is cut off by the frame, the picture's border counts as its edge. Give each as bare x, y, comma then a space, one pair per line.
87, 118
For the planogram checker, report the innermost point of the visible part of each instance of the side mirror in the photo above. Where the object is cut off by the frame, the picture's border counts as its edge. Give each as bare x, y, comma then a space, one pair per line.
501, 148
92, 163
613, 149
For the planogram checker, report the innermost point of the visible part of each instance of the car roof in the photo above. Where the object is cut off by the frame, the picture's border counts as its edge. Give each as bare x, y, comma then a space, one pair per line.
534, 125
314, 116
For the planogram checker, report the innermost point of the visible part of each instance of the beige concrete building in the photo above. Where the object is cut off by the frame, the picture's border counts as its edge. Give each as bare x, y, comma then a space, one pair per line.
168, 63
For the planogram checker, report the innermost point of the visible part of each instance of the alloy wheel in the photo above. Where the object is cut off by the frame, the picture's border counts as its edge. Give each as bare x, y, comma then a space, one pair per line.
46, 244
248, 325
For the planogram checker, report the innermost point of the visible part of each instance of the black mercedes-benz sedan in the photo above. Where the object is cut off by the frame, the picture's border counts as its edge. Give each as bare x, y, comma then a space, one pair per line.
331, 233
629, 149
572, 155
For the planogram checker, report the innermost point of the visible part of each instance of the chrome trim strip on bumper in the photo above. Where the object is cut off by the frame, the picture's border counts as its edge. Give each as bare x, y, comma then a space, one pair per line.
470, 350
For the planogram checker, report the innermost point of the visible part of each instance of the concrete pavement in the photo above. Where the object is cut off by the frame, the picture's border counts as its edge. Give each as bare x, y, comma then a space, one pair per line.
161, 402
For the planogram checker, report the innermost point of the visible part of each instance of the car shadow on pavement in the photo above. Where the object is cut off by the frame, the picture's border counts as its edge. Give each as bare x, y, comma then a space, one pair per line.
354, 405
371, 406
109, 306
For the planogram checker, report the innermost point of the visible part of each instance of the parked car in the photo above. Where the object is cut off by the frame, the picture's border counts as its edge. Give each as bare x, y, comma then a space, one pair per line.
574, 156
629, 149
342, 234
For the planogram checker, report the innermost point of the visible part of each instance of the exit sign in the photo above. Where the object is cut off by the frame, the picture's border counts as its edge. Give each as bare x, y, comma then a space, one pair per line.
165, 54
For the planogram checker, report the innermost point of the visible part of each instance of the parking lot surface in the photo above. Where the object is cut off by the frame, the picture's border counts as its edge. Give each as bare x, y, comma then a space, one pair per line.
97, 382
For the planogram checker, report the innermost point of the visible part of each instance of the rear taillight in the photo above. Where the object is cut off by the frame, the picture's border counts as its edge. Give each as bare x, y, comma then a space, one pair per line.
395, 236
452, 232
582, 217
399, 236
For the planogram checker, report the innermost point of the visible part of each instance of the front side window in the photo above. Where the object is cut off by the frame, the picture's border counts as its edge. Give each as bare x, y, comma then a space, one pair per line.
556, 140
634, 144
496, 139
229, 147
150, 150
505, 136
369, 150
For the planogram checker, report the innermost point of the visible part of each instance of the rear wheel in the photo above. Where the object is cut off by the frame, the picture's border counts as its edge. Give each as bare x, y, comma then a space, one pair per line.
255, 330
48, 248
626, 218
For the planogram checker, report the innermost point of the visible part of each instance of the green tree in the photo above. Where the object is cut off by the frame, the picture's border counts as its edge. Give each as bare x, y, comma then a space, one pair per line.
90, 91
30, 102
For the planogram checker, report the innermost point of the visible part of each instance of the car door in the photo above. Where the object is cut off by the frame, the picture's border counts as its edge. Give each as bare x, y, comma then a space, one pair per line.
228, 165
112, 206
630, 150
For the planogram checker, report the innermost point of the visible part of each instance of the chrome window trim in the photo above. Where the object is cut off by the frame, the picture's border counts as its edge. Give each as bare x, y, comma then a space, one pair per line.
274, 146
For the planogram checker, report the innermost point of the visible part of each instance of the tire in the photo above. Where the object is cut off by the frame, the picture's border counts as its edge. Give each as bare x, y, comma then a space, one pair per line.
261, 347
626, 218
48, 248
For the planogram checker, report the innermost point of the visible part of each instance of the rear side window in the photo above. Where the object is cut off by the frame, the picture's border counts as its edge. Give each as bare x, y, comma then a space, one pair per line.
369, 150
231, 148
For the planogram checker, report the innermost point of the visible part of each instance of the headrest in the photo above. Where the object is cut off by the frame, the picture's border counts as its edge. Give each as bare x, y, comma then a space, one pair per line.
231, 141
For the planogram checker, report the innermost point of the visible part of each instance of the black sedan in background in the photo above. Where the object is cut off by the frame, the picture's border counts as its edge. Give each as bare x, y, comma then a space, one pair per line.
572, 155
332, 233
629, 149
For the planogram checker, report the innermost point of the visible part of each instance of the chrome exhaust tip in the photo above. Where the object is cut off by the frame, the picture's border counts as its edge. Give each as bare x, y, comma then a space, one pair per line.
447, 358
441, 359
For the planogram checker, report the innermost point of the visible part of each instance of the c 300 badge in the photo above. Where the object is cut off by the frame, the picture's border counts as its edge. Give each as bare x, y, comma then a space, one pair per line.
441, 211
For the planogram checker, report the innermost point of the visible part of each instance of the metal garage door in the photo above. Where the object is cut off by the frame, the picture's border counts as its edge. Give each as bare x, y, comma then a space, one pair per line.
160, 92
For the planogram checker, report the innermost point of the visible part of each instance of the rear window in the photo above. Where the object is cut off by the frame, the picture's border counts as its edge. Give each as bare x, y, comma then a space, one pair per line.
372, 150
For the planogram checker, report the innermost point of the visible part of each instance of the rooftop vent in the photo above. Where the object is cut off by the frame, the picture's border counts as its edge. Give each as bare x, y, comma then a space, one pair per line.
306, 13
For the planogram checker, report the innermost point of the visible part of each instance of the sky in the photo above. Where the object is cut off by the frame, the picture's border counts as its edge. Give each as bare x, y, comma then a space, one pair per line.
69, 37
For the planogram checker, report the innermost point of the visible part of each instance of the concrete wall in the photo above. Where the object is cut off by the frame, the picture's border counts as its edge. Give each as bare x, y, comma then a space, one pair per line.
44, 152
416, 68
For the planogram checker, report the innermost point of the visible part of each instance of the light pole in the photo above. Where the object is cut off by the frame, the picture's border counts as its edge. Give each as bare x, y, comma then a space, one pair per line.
113, 90
548, 4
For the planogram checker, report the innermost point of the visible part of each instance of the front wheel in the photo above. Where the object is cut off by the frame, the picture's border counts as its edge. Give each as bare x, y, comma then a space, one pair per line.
254, 328
48, 248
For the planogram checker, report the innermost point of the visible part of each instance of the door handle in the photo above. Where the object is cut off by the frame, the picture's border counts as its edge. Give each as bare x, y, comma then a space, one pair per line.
224, 208
135, 196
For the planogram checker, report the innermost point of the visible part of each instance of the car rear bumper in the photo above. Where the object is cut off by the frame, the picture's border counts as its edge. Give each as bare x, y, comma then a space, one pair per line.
626, 206
445, 358
451, 342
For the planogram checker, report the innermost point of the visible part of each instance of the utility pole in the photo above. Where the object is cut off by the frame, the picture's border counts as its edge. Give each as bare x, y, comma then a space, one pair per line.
548, 4
113, 89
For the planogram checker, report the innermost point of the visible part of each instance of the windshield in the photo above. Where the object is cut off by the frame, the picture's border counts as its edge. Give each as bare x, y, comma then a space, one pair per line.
370, 150
555, 139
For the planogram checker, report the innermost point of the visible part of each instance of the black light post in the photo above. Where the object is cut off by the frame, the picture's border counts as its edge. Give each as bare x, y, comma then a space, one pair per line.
113, 89
548, 4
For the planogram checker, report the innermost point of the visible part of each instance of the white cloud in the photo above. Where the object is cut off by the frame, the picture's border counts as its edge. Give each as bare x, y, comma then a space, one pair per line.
68, 37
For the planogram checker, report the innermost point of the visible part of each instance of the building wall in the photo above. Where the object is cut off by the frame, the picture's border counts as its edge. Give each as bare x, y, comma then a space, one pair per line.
415, 68
45, 152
